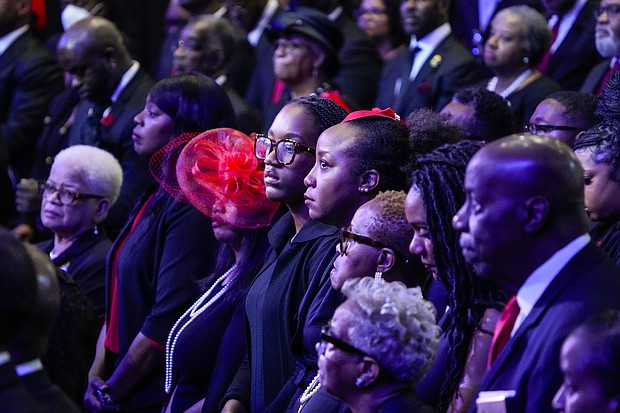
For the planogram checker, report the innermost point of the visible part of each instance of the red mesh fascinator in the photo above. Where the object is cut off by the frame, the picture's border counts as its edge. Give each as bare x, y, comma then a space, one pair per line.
220, 176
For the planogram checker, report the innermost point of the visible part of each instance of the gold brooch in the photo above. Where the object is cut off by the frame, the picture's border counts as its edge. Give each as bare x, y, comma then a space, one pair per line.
435, 61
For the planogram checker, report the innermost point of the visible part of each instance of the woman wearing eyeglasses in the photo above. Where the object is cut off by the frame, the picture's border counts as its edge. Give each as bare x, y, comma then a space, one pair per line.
299, 246
305, 58
374, 245
163, 248
83, 184
379, 343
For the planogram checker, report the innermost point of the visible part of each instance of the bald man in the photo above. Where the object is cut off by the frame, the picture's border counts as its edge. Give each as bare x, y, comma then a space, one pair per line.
524, 226
32, 339
113, 89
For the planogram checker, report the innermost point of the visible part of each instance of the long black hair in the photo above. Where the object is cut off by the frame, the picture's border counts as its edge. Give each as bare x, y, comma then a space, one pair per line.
440, 176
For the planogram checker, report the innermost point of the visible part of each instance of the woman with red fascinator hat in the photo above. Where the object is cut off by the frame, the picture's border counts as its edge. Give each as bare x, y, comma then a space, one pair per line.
220, 176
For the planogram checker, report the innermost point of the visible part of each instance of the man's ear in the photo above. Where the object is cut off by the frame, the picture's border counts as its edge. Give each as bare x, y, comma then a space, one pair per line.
537, 212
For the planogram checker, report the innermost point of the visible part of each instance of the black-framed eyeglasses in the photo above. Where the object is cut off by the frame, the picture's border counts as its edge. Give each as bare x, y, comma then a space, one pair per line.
346, 236
326, 337
538, 129
610, 10
65, 196
285, 149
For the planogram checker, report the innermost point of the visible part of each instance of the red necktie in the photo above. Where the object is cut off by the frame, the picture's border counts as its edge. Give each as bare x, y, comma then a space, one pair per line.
542, 66
503, 328
607, 76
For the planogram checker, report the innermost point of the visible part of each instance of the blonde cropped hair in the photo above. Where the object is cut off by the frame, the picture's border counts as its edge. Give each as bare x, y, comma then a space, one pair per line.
393, 324
99, 170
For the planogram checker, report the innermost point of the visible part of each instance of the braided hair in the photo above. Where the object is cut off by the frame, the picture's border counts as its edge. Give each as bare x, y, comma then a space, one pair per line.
326, 112
603, 143
440, 175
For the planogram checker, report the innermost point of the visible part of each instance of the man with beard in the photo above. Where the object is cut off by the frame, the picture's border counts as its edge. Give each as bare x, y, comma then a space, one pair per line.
524, 226
607, 39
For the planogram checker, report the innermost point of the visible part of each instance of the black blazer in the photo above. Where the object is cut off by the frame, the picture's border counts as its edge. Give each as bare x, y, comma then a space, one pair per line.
529, 364
29, 79
595, 77
564, 67
433, 87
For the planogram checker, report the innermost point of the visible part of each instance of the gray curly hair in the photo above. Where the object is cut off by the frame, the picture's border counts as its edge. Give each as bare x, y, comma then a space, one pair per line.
99, 170
394, 324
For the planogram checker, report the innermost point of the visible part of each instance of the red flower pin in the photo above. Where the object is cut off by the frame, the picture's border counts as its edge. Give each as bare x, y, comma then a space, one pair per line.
107, 120
424, 87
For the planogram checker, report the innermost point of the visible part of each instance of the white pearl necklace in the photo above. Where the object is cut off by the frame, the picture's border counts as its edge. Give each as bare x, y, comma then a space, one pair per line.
194, 311
310, 391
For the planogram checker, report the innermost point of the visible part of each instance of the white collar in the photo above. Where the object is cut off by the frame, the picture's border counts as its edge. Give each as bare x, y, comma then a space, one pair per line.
127, 77
432, 39
334, 14
8, 39
268, 12
29, 367
538, 281
5, 357
221, 79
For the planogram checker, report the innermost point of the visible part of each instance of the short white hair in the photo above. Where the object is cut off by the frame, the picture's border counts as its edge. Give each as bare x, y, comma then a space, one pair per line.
393, 324
99, 170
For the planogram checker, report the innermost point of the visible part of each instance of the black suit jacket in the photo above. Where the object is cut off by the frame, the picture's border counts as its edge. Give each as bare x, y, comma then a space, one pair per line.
14, 398
116, 139
577, 54
595, 77
529, 363
48, 396
433, 87
29, 78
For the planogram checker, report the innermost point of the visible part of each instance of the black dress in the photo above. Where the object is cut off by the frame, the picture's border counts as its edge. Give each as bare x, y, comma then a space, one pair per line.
272, 309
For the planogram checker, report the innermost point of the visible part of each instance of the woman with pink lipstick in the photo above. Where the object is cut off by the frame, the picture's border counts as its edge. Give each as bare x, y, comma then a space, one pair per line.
153, 263
219, 175
436, 194
299, 247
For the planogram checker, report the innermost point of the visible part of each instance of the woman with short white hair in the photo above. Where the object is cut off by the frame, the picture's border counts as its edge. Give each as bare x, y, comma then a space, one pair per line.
378, 345
83, 185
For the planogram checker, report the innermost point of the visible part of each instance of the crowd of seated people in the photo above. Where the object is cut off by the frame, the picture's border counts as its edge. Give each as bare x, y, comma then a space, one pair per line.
324, 206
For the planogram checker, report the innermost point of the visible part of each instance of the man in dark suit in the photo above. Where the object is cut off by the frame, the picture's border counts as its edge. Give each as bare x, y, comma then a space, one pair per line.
524, 226
113, 89
572, 22
607, 40
435, 67
18, 287
29, 78
32, 340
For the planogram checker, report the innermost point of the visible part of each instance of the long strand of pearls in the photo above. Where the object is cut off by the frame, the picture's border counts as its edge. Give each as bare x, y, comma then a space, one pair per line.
310, 391
194, 311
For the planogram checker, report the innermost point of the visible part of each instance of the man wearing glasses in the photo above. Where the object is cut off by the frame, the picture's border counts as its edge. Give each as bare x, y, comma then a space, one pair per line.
563, 115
